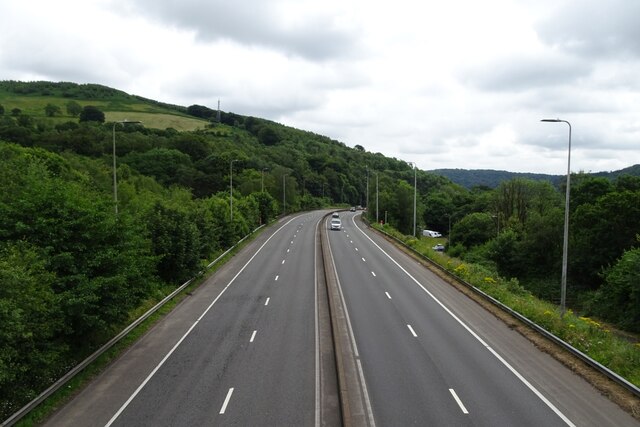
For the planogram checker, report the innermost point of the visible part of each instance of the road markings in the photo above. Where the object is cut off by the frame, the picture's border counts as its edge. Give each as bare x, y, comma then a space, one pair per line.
283, 261
476, 336
412, 331
460, 404
226, 401
364, 260
356, 249
277, 278
176, 345
288, 250
351, 241
388, 296
267, 301
374, 274
253, 336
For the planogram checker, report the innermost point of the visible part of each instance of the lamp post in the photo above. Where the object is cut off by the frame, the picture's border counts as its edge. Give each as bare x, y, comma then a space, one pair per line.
231, 187
115, 178
367, 202
565, 243
262, 180
415, 192
284, 195
377, 220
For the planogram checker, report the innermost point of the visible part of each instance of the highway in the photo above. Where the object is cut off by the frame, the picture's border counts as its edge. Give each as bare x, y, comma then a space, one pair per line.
242, 350
432, 356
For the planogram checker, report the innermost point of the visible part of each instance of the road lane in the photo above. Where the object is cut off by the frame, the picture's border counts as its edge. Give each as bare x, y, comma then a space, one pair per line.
250, 358
411, 378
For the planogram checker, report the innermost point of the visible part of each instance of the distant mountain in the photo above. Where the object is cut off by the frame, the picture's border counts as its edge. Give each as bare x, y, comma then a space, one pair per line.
469, 178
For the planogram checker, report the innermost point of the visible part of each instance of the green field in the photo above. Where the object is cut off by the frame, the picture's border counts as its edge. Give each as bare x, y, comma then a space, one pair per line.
151, 116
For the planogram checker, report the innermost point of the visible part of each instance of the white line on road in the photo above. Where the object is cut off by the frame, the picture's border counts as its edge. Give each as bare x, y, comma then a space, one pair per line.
351, 241
364, 260
374, 274
288, 250
267, 301
173, 349
253, 336
388, 296
460, 404
473, 334
412, 331
277, 278
283, 261
356, 249
226, 401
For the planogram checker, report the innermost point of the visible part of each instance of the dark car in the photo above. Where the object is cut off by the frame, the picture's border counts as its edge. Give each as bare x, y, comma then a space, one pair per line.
439, 247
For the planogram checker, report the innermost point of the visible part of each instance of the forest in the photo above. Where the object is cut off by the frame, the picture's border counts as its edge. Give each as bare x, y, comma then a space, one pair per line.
72, 271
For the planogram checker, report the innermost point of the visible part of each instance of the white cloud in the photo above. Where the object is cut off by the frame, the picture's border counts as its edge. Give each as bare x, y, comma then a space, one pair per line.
456, 84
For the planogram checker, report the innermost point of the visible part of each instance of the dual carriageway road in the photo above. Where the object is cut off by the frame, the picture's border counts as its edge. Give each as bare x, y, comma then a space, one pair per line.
252, 346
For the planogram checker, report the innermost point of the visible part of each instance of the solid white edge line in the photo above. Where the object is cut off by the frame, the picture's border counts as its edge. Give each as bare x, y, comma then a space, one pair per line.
164, 359
460, 404
476, 336
226, 401
253, 336
267, 301
412, 331
367, 402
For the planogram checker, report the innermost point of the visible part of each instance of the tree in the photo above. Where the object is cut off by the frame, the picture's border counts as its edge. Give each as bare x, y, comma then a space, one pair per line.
51, 110
474, 229
1, 110
268, 136
91, 114
16, 112
618, 299
73, 108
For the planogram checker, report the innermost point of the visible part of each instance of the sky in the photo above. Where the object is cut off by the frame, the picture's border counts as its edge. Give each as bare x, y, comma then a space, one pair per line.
443, 84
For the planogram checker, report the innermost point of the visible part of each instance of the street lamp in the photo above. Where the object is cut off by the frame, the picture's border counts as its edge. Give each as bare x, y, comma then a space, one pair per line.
565, 244
231, 186
415, 192
377, 220
115, 179
262, 179
284, 195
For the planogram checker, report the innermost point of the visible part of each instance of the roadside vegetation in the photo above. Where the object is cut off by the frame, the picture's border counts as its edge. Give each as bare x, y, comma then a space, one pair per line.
72, 272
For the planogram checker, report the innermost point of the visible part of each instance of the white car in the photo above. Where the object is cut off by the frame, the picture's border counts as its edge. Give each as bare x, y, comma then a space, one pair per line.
336, 224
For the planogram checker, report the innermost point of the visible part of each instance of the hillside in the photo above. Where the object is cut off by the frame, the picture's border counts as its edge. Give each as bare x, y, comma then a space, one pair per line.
470, 178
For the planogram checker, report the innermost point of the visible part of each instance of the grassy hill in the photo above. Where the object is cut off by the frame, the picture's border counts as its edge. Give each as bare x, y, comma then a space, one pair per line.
32, 98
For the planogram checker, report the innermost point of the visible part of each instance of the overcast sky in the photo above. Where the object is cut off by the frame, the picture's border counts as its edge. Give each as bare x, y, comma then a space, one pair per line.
445, 84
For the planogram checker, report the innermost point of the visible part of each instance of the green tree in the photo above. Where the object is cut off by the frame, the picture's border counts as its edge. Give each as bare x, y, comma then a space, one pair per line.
91, 113
1, 110
618, 299
474, 229
51, 110
73, 108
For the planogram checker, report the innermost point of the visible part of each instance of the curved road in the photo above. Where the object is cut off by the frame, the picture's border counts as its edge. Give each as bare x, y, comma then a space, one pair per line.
431, 356
242, 350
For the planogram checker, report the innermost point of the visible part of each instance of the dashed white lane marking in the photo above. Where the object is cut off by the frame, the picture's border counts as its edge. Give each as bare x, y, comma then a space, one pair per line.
374, 274
412, 331
226, 401
267, 301
277, 278
455, 396
288, 250
283, 261
364, 260
388, 296
356, 249
253, 336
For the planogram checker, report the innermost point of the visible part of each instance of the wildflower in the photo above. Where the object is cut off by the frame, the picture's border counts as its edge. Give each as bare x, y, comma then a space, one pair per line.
571, 326
489, 280
547, 313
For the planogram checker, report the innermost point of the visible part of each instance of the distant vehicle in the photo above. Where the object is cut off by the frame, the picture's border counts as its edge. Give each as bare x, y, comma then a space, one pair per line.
335, 215
336, 224
352, 209
439, 247
431, 233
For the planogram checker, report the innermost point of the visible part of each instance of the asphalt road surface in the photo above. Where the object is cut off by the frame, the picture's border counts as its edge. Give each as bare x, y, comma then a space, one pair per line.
242, 350
431, 356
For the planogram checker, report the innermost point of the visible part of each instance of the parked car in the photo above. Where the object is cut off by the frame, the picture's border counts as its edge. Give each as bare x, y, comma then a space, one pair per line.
439, 247
352, 209
336, 224
431, 233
